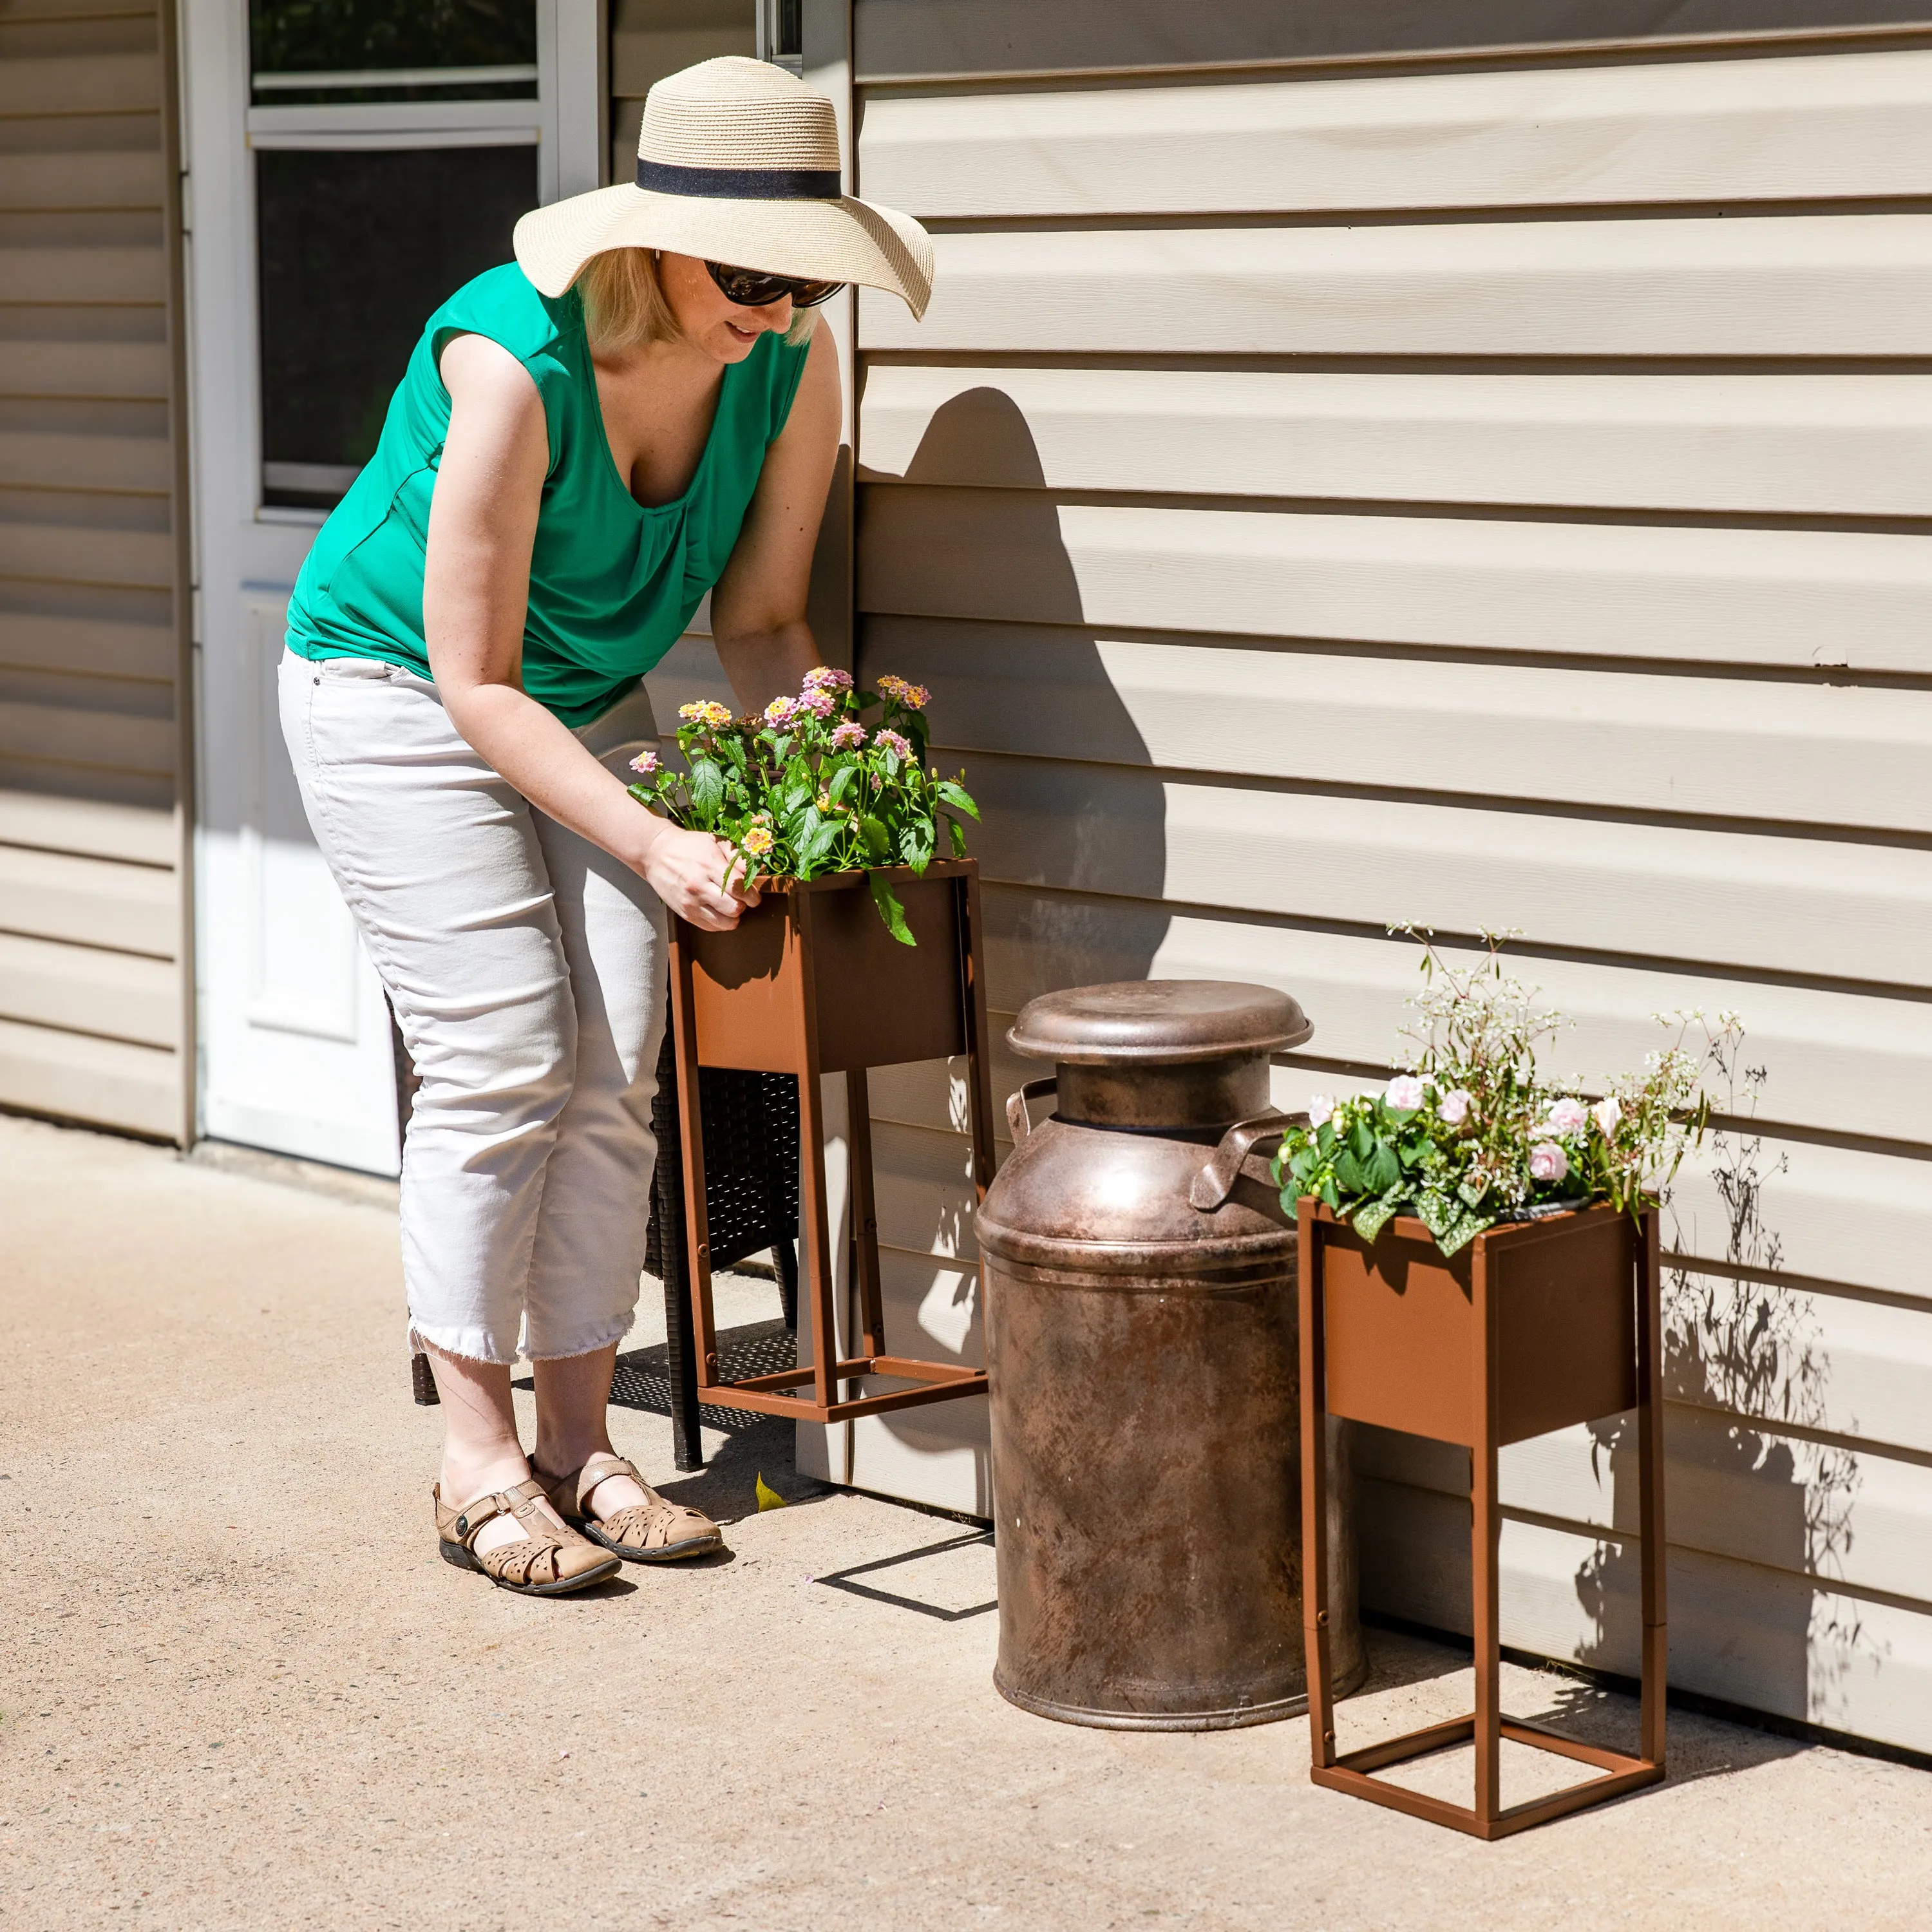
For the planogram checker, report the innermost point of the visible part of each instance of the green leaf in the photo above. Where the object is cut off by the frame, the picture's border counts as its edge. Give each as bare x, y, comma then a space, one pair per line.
1360, 1141
1348, 1173
841, 782
957, 798
1464, 1230
1324, 1136
1381, 1171
1375, 1215
890, 910
1436, 1211
957, 834
707, 791
1330, 1198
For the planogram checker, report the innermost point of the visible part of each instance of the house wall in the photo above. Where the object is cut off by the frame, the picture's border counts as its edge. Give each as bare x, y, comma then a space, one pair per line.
1407, 481
92, 1006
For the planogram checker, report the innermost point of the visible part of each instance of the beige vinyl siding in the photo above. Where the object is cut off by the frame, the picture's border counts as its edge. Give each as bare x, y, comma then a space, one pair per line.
1320, 497
651, 38
90, 892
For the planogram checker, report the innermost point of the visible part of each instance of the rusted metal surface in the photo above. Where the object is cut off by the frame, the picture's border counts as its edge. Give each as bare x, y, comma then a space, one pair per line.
1142, 1357
811, 982
1530, 1328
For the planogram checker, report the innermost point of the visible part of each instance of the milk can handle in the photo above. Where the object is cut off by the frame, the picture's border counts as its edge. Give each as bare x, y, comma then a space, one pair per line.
1018, 1119
1215, 1181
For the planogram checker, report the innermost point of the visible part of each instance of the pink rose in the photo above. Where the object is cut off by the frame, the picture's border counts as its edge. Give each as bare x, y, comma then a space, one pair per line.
1455, 1107
1405, 1093
1566, 1117
1548, 1162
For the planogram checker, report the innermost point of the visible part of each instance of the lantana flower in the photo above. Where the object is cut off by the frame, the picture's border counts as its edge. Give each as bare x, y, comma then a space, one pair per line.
892, 742
758, 840
1455, 1106
1548, 1162
782, 711
647, 764
819, 704
1405, 1093
709, 711
1567, 1117
847, 737
824, 677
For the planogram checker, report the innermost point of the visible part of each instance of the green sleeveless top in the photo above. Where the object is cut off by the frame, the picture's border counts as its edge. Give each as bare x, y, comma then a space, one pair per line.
612, 584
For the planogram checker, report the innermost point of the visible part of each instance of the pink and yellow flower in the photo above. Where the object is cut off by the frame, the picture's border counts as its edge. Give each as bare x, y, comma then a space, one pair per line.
819, 704
708, 711
647, 764
822, 677
757, 841
847, 737
913, 697
892, 742
782, 711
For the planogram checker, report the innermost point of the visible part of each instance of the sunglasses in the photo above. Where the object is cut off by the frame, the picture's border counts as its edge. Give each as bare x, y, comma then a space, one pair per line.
752, 288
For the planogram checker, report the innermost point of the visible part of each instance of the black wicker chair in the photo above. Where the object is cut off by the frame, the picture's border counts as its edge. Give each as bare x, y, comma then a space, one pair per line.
751, 1188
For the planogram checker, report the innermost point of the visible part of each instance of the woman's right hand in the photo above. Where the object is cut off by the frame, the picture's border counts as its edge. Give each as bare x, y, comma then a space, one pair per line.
688, 870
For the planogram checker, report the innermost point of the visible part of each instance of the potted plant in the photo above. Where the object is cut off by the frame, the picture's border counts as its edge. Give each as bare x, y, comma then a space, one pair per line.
1478, 1264
863, 951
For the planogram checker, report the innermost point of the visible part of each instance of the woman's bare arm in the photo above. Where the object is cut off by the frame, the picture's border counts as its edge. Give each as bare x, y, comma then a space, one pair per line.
476, 577
757, 610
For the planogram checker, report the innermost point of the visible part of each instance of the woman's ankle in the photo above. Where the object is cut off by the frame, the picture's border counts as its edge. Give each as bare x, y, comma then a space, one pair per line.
467, 1475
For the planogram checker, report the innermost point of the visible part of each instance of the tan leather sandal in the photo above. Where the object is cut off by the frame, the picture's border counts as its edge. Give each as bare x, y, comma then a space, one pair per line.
656, 1530
548, 1561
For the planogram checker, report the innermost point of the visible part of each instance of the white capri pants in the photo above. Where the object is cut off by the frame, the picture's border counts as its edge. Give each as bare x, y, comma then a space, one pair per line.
526, 967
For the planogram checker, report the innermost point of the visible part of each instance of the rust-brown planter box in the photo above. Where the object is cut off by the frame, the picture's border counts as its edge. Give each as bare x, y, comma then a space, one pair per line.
810, 982
1534, 1326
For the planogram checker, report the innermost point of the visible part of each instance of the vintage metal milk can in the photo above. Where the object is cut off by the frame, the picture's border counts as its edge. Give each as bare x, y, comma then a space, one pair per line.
1139, 1280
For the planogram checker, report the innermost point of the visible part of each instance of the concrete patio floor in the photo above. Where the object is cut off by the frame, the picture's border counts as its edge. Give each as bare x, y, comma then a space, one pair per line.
237, 1688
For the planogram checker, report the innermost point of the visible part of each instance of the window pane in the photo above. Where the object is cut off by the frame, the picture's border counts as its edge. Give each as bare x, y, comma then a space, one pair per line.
357, 250
338, 37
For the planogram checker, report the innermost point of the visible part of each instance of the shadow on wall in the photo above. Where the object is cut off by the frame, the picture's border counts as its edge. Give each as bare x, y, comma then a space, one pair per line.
965, 585
1737, 1346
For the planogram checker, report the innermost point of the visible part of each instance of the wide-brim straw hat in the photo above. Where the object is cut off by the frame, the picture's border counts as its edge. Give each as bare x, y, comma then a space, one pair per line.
737, 162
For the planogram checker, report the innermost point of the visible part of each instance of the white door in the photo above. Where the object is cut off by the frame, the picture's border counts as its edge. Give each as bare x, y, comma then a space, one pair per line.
347, 169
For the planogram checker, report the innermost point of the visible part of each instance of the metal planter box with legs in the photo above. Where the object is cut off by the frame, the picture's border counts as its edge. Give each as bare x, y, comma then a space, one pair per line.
1534, 1326
811, 982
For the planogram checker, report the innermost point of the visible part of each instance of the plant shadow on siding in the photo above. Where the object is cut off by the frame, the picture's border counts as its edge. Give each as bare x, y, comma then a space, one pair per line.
965, 585
1736, 1348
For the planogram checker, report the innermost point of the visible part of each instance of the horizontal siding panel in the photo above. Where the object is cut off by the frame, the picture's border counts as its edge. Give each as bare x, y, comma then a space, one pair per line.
128, 178
120, 83
48, 460
1752, 1635
1809, 907
138, 370
30, 641
1782, 597
63, 734
82, 275
139, 559
1841, 125
1834, 1060
89, 901
1721, 747
89, 827
85, 990
1790, 444
925, 1191
109, 1083
1776, 285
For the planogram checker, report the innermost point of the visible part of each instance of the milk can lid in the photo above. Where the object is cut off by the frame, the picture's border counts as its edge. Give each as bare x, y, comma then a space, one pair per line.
1158, 1022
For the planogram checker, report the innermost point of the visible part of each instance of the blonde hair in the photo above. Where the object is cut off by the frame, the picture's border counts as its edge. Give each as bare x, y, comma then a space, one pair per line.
625, 305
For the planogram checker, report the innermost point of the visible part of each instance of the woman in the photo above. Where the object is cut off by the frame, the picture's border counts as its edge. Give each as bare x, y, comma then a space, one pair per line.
636, 413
